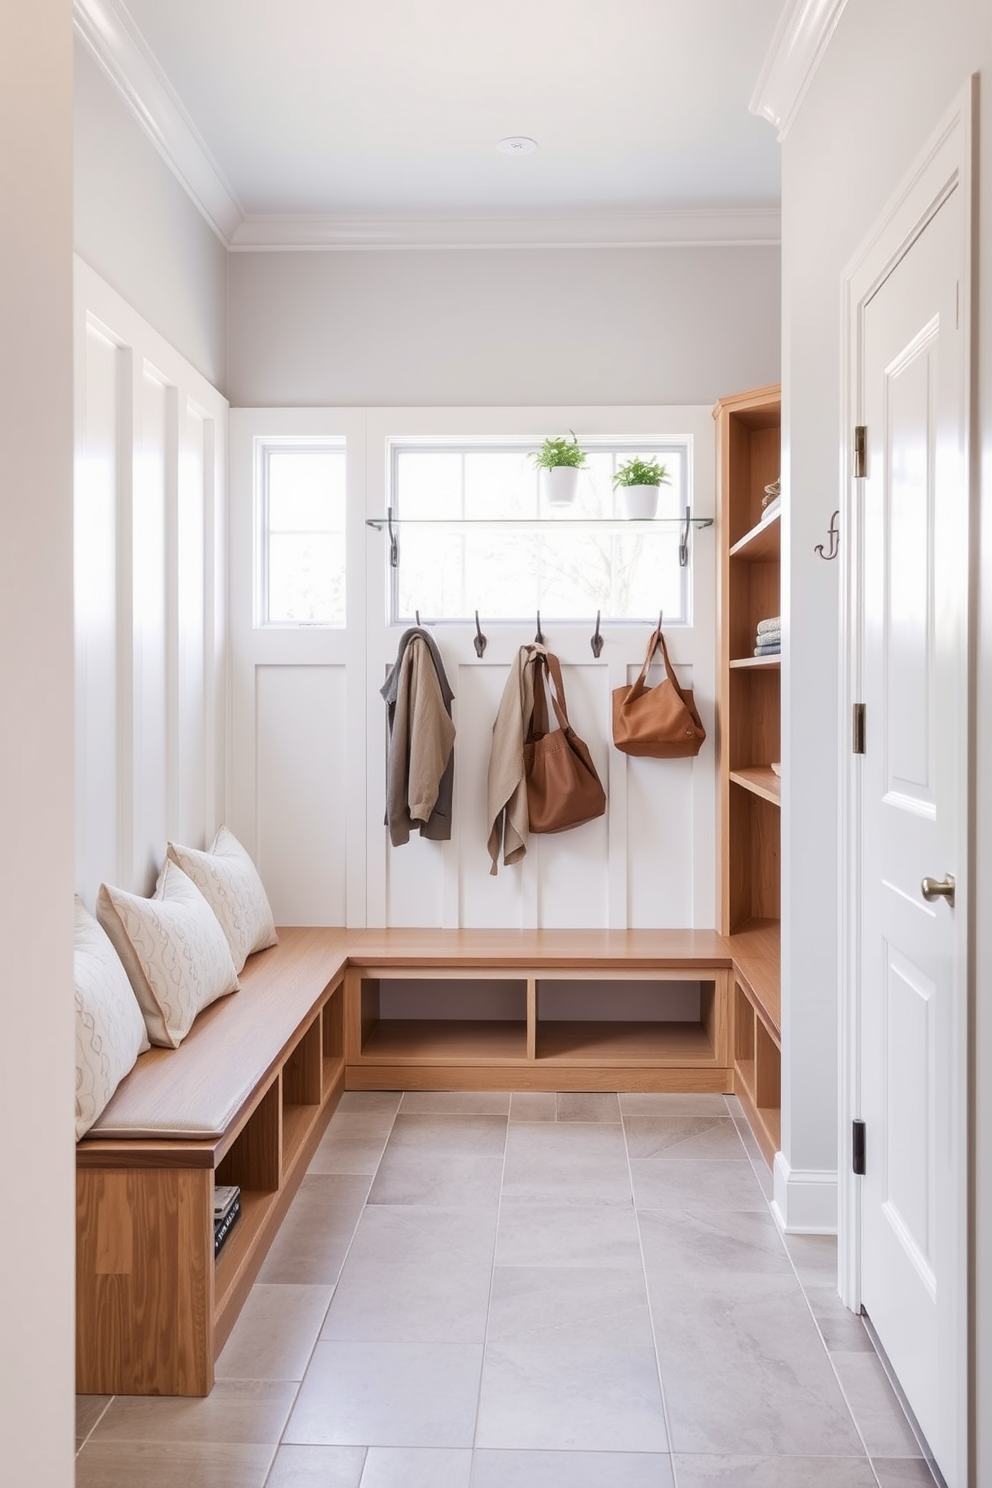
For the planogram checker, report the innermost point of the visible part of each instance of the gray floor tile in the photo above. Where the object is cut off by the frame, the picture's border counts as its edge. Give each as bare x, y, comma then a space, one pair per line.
314, 1237
842, 1331
743, 1368
456, 1102
567, 1398
873, 1404
815, 1258
437, 1178
388, 1395
678, 1240
472, 1135
173, 1464
353, 1143
317, 1467
544, 1305
578, 1163
536, 1234
235, 1412
661, 1103
685, 1137
370, 1100
533, 1105
571, 1470
89, 1409
274, 1336
416, 1273
774, 1472
587, 1105
667, 1183
906, 1472
417, 1467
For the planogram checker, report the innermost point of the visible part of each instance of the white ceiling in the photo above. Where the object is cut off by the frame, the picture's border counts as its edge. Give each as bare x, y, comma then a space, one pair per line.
322, 107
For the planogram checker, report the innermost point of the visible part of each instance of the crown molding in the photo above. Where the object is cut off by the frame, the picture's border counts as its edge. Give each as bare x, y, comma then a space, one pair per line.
705, 227
801, 37
122, 52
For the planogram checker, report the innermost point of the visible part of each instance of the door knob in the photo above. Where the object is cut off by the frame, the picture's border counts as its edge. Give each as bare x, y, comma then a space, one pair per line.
938, 888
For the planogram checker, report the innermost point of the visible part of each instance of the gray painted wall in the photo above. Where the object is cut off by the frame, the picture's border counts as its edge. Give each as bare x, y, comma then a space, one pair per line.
502, 326
135, 225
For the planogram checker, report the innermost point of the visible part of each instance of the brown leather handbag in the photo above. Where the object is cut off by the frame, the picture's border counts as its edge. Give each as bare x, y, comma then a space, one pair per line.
563, 788
660, 722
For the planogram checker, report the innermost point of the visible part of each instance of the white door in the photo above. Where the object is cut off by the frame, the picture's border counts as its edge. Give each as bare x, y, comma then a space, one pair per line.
914, 825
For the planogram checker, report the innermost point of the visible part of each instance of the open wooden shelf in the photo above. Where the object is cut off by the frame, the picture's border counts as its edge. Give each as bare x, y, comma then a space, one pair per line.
757, 663
443, 1041
762, 543
625, 1043
762, 780
748, 456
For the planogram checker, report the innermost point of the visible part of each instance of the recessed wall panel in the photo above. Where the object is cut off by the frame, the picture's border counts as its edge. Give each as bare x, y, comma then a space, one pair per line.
188, 804
302, 791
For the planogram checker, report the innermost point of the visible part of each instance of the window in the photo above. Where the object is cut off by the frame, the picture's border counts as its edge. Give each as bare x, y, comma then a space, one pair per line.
474, 534
301, 550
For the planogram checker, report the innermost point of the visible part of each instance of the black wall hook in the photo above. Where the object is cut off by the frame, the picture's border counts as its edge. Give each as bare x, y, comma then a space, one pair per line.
539, 638
834, 536
597, 640
480, 641
394, 547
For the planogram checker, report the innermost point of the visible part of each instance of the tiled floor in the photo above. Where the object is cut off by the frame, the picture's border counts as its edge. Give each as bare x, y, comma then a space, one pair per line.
528, 1291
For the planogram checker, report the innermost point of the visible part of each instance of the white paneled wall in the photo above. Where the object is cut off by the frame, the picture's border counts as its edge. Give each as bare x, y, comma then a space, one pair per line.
151, 440
308, 735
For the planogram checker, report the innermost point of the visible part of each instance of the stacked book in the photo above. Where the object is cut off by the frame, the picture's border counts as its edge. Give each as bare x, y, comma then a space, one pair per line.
772, 499
227, 1209
768, 641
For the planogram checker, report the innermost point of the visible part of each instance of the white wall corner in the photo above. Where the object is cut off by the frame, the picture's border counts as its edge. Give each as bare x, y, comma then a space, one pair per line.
105, 27
801, 37
805, 1201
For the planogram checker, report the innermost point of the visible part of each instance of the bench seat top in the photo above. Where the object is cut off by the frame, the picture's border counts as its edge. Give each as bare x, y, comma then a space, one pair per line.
193, 1093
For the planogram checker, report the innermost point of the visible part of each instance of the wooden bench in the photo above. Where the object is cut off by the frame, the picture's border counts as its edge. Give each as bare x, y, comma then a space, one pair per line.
245, 1100
247, 1096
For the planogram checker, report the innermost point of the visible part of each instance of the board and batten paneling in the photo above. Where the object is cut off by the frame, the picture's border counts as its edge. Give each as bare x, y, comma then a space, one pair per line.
308, 726
150, 600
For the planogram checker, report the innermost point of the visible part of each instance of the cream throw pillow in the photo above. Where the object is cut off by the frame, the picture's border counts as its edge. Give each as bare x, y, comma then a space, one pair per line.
228, 880
173, 951
110, 1031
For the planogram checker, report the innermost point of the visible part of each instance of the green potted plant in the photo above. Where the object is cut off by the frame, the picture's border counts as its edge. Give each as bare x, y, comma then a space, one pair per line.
639, 480
559, 461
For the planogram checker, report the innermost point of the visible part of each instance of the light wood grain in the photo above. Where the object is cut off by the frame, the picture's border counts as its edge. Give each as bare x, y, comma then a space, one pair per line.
144, 1282
542, 1075
762, 780
762, 544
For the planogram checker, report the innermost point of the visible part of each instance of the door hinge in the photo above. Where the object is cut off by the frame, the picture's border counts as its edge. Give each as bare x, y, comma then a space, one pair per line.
858, 1148
858, 730
860, 451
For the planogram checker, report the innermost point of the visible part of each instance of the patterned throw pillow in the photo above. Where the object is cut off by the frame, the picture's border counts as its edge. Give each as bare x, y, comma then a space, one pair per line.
228, 880
173, 951
110, 1031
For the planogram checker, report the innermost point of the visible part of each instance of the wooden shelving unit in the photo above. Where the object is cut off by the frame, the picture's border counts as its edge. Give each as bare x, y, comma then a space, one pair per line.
578, 1028
748, 459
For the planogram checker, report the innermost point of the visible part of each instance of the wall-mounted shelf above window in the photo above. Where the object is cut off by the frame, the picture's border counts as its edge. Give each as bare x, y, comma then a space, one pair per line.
617, 525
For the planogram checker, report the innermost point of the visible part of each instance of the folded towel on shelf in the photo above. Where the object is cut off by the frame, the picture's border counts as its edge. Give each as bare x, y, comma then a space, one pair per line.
768, 648
773, 623
771, 491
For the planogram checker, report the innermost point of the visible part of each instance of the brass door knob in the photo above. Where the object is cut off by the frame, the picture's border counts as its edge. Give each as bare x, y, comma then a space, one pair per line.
938, 888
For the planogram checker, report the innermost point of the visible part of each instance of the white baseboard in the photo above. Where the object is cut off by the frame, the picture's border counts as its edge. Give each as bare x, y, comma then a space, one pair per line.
805, 1201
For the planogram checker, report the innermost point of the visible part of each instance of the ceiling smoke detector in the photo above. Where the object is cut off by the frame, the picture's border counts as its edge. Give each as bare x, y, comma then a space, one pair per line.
517, 144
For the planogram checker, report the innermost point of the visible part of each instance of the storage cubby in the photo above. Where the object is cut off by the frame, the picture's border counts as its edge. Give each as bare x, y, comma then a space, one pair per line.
301, 1087
657, 1028
437, 1019
748, 458
332, 1039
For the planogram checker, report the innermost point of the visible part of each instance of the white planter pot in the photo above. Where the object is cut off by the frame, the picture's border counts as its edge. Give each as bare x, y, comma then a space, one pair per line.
641, 501
559, 484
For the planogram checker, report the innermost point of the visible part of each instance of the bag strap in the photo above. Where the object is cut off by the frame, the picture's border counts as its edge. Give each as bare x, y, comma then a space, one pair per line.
547, 669
657, 640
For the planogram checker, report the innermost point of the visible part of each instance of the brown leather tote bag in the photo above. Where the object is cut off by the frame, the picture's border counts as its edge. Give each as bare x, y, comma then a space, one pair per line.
563, 788
660, 722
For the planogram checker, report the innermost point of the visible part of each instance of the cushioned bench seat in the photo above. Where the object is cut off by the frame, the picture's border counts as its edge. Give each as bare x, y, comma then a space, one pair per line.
195, 1092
